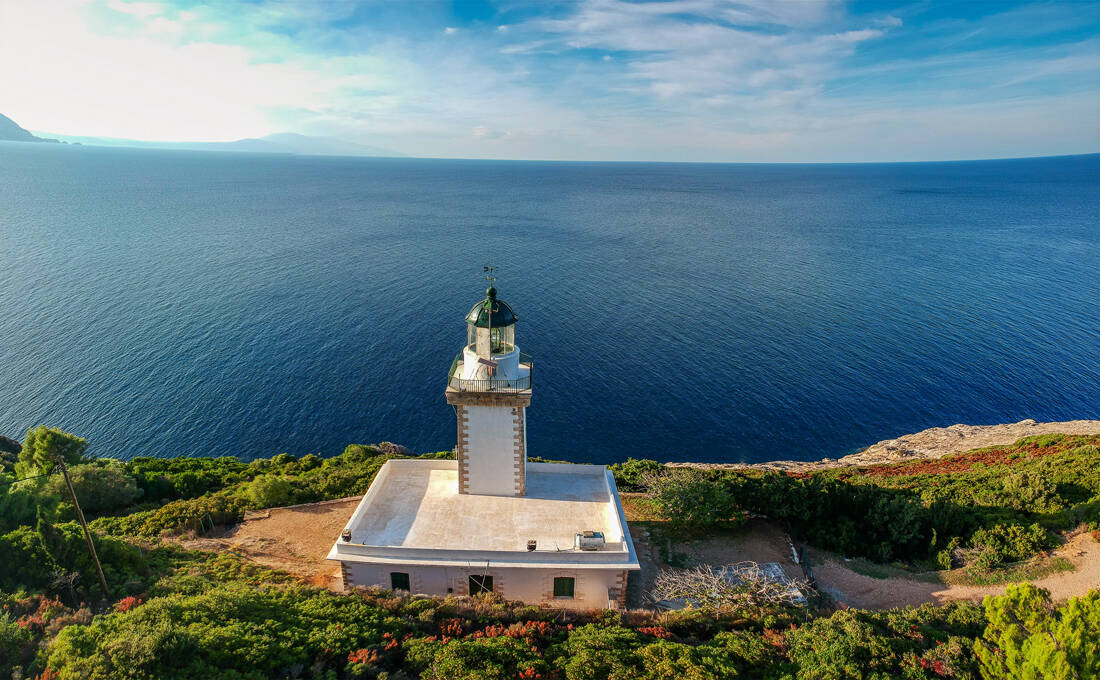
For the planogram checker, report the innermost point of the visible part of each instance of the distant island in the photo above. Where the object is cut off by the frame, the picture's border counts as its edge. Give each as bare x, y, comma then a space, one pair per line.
10, 131
283, 142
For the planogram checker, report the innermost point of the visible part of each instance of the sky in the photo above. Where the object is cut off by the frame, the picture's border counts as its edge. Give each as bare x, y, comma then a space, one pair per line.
676, 80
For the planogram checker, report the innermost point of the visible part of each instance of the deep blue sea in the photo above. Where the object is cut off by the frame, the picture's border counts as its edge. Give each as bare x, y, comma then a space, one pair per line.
186, 303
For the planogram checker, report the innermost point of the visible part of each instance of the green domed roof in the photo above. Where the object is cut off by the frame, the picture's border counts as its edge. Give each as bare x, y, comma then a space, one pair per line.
491, 312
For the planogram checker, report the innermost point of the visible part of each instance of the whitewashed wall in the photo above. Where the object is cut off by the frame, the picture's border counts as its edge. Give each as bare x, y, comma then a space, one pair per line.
533, 586
491, 450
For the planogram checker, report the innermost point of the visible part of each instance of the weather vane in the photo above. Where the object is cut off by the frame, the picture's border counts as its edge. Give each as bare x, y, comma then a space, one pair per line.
490, 272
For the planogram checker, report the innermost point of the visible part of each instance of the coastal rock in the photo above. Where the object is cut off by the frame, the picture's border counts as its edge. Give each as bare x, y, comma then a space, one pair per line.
9, 445
935, 442
393, 449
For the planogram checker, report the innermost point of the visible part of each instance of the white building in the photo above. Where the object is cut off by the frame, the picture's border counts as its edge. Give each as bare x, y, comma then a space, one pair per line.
538, 532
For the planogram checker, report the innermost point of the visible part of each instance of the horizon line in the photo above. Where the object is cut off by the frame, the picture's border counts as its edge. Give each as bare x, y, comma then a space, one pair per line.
407, 157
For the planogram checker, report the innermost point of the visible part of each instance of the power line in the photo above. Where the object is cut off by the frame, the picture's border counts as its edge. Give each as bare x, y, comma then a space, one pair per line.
45, 474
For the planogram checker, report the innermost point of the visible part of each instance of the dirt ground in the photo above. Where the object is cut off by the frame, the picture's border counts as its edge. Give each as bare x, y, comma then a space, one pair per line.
858, 590
293, 539
763, 541
759, 542
297, 539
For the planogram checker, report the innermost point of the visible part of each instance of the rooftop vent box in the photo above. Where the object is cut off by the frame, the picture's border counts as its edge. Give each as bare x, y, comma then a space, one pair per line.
588, 540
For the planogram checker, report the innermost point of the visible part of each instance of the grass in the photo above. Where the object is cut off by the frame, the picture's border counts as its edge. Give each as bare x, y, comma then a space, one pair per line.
639, 507
1031, 570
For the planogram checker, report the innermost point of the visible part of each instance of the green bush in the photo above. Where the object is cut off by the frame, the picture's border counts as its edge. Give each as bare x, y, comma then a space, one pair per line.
633, 474
595, 653
15, 641
268, 491
220, 509
1028, 638
229, 631
1030, 489
103, 485
495, 658
694, 500
1010, 542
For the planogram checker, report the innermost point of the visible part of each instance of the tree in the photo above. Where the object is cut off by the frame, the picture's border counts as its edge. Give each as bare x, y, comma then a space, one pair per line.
632, 474
103, 486
44, 446
268, 491
1027, 638
691, 499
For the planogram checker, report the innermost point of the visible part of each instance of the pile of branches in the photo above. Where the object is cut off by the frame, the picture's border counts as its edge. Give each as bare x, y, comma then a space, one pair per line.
731, 588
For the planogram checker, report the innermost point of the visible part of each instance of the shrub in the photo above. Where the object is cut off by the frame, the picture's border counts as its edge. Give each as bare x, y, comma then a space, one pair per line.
595, 653
1031, 490
487, 658
845, 645
103, 485
217, 508
1009, 542
16, 642
691, 499
226, 631
1028, 638
632, 474
1040, 440
268, 491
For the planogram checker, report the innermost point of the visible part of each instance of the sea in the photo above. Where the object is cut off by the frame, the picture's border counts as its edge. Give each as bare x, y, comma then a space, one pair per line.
168, 303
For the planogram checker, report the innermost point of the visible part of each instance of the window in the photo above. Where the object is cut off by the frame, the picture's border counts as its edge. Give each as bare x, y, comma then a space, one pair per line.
399, 581
481, 583
563, 587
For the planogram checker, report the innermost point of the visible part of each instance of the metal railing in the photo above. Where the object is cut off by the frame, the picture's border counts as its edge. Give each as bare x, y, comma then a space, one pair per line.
520, 384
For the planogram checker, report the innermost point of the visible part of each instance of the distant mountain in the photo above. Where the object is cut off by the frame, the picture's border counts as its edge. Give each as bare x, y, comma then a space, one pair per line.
11, 132
285, 142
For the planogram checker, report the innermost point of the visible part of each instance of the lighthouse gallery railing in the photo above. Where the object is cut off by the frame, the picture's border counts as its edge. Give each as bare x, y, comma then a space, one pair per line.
521, 384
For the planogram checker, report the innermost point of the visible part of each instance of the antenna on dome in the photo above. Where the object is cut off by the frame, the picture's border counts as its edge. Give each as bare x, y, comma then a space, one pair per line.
490, 272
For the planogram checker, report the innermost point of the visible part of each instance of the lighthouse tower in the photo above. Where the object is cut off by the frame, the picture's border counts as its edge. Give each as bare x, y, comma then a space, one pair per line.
490, 388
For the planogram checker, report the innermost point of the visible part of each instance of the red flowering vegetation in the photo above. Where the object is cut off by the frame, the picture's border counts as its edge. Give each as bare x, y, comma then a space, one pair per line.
452, 627
493, 631
775, 639
391, 642
530, 673
128, 603
963, 462
531, 632
656, 631
364, 656
39, 610
48, 674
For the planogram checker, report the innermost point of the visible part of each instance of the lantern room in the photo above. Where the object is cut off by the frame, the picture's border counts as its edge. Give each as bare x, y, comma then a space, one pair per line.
491, 326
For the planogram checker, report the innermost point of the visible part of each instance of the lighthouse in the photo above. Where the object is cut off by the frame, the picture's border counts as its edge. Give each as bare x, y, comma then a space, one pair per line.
489, 386
551, 534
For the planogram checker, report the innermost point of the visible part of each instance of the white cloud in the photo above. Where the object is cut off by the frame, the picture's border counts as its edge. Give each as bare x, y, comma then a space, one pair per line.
689, 80
143, 10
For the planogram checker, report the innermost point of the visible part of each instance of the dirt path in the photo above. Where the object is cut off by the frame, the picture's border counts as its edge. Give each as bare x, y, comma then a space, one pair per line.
294, 539
858, 590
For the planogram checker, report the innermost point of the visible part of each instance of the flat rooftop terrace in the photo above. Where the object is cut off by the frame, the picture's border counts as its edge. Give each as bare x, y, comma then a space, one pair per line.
416, 504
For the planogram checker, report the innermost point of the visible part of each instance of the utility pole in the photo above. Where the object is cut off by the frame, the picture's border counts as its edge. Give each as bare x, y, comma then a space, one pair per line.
87, 534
